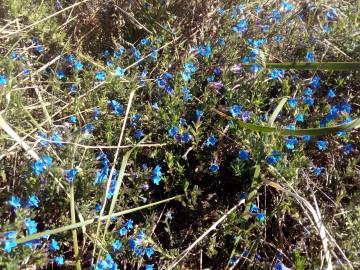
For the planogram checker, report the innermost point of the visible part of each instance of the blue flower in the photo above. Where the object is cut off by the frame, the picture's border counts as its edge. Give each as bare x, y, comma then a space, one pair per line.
186, 76
276, 16
39, 48
70, 58
260, 217
161, 83
116, 107
255, 68
182, 122
88, 128
116, 245
3, 79
309, 101
235, 110
258, 9
10, 235
199, 114
73, 88
102, 265
348, 148
109, 63
59, 260
292, 102
141, 235
299, 118
322, 145
234, 260
35, 41
291, 127
245, 253
9, 244
112, 185
273, 158
139, 251
15, 201
287, 7
173, 131
145, 41
306, 138
149, 251
169, 89
204, 50
119, 52
100, 75
103, 173
138, 134
279, 266
221, 41
331, 14
96, 113
317, 170
56, 139
310, 56
33, 201
245, 116
327, 28
241, 26
70, 175
265, 28
54, 245
278, 38
78, 66
277, 73
331, 93
290, 143
156, 175
244, 155
60, 74
111, 265
31, 226
253, 208
72, 119
186, 94
186, 137
308, 92
119, 72
155, 106
211, 140
254, 52
123, 231
98, 207
40, 165
214, 167
315, 82
149, 266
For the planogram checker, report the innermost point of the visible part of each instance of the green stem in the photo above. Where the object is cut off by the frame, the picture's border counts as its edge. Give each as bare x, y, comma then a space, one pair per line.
298, 132
335, 66
73, 221
90, 221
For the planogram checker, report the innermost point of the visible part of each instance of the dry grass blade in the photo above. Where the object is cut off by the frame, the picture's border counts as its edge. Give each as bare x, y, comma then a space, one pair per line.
213, 227
316, 216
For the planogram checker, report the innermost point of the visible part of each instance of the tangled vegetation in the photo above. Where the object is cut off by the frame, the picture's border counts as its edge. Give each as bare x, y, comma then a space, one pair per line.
179, 134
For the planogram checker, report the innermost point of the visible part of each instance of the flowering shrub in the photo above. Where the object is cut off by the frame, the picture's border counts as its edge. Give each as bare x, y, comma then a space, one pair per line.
129, 138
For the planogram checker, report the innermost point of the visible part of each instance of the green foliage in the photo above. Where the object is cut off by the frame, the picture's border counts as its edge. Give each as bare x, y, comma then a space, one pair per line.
186, 169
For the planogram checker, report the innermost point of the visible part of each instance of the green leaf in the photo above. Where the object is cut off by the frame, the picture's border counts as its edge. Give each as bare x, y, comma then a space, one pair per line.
335, 66
299, 132
277, 111
90, 221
